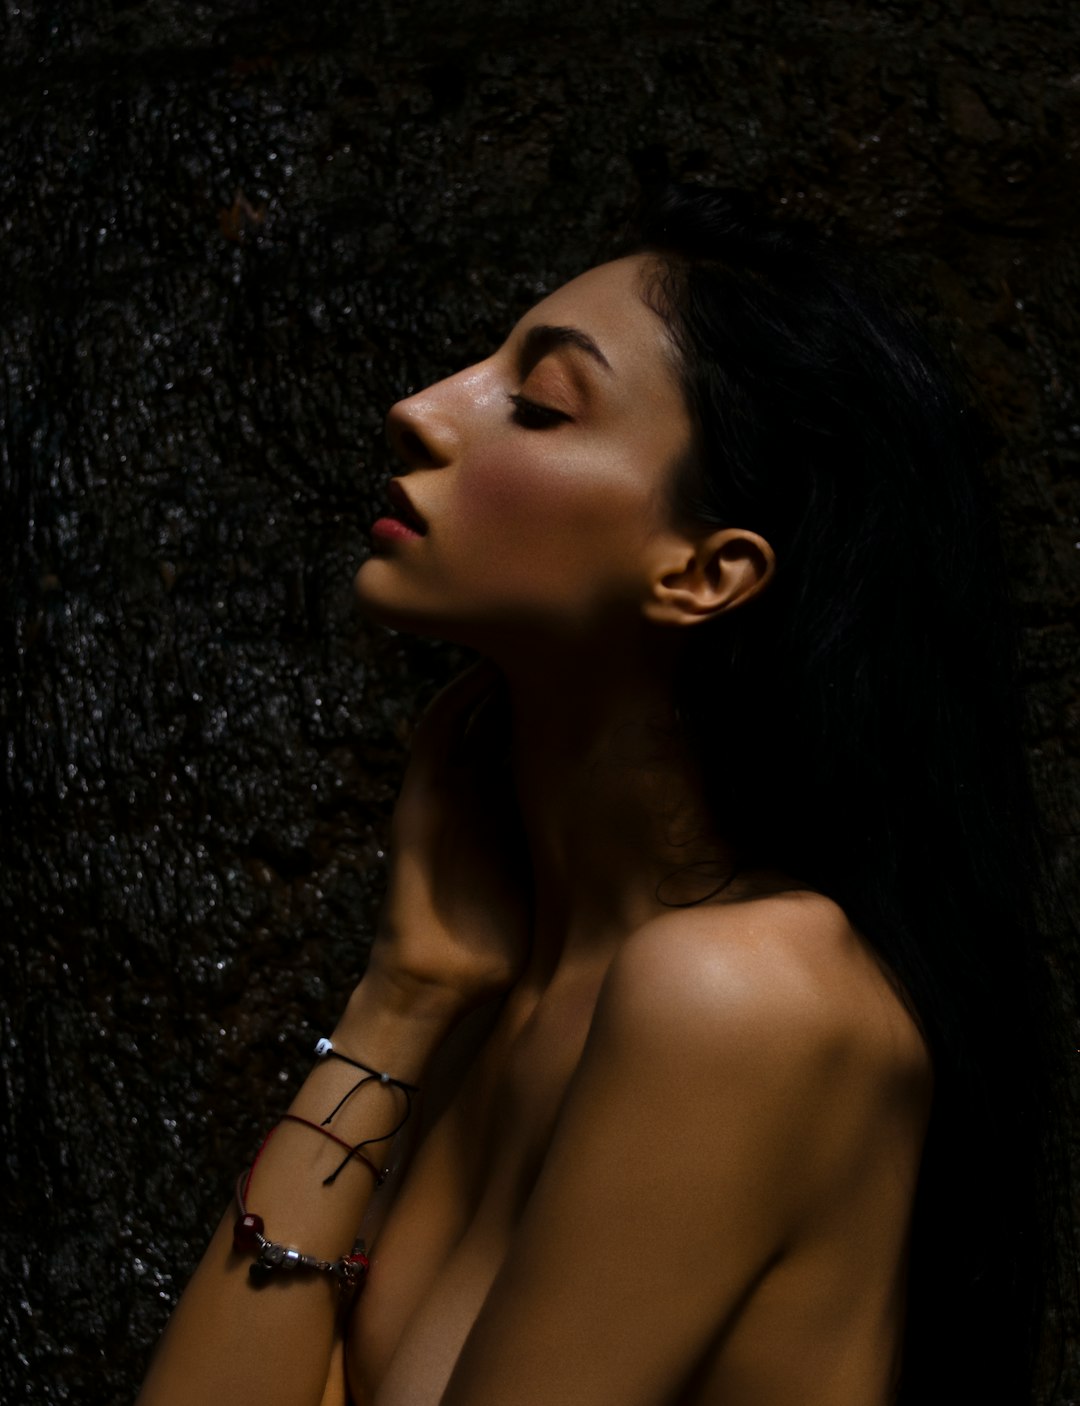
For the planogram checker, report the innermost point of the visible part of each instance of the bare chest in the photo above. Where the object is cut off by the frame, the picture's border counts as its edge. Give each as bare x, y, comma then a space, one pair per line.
448, 1229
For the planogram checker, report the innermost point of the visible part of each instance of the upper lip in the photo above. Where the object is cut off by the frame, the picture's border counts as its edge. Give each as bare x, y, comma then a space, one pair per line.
405, 511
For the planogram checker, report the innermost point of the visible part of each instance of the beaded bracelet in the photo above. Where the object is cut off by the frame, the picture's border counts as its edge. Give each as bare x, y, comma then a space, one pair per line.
248, 1237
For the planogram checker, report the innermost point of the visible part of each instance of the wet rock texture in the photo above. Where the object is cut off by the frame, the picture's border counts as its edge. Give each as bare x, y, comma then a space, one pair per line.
233, 234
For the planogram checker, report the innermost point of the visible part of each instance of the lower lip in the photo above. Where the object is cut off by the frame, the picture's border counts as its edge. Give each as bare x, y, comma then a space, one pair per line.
389, 529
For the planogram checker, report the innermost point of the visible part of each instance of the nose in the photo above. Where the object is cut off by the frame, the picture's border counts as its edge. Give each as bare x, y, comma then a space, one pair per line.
419, 430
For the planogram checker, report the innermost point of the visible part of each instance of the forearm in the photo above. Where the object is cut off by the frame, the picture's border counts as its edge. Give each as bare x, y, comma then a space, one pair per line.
229, 1340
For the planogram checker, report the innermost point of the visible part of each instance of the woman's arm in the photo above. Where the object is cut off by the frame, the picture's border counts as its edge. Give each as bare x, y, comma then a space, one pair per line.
444, 947
231, 1341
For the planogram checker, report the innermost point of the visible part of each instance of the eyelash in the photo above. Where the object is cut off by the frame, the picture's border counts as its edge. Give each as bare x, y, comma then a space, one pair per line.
535, 417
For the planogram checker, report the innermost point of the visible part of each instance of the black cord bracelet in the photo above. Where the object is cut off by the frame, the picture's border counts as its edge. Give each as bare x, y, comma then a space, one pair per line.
324, 1049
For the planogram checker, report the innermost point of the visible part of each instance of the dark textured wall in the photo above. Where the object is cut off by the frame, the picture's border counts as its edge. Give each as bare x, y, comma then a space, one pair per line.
233, 233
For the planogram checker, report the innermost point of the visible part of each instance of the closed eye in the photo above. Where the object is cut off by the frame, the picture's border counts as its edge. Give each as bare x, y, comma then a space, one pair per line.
533, 416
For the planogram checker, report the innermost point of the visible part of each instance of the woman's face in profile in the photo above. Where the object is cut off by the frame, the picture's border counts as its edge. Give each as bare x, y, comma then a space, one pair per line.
540, 478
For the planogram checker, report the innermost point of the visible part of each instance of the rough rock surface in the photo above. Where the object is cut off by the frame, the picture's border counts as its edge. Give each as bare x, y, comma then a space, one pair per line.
233, 233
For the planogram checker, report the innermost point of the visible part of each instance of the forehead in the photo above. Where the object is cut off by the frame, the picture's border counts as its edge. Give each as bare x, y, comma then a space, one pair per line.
608, 303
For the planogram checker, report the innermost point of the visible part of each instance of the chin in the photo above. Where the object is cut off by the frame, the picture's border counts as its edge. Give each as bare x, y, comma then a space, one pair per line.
488, 627
381, 604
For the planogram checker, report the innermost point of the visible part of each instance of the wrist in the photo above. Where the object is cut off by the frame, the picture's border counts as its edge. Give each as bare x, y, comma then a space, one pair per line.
394, 1025
411, 994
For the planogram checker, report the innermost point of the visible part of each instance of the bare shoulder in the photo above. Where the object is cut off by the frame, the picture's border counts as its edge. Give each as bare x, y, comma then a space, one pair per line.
781, 979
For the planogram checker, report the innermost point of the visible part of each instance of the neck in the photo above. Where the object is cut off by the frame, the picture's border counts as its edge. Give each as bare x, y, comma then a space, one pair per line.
615, 817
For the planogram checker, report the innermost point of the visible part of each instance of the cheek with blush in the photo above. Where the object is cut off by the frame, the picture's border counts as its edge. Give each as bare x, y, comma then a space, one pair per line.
550, 529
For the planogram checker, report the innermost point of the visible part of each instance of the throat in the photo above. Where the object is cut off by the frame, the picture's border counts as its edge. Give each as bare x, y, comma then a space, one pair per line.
615, 817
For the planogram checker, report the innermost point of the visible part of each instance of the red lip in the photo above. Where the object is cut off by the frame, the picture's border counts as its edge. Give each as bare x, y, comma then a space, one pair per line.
391, 529
404, 513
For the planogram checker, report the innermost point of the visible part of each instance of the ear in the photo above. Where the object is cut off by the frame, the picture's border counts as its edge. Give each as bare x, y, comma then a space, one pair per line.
698, 580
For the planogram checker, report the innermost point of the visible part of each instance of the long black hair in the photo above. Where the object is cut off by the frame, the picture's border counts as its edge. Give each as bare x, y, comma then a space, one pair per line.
864, 712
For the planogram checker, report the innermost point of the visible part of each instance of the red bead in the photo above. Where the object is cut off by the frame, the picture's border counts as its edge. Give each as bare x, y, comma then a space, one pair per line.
245, 1231
355, 1268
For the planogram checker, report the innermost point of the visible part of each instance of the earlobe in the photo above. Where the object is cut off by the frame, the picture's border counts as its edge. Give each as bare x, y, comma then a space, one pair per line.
710, 576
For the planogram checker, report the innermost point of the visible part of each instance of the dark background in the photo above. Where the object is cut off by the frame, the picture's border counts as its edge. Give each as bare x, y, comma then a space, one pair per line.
234, 233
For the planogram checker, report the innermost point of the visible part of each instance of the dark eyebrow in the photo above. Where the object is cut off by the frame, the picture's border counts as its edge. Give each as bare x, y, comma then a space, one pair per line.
542, 338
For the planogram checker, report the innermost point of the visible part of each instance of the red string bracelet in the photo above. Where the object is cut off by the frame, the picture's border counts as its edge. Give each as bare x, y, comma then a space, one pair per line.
354, 1153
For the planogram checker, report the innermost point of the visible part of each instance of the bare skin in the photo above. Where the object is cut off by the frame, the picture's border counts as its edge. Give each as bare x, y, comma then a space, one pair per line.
666, 1154
714, 1216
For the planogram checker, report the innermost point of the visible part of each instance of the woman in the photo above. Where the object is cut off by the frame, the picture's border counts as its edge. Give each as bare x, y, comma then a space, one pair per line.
708, 931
